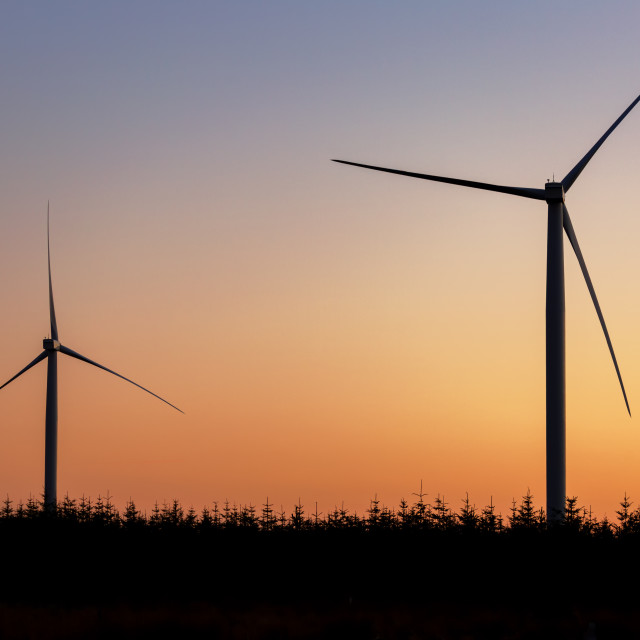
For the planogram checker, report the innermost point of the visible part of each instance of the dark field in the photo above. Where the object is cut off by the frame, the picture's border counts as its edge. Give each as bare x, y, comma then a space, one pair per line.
314, 621
421, 571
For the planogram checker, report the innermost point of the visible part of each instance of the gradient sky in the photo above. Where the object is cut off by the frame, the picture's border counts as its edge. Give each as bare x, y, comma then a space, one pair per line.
331, 333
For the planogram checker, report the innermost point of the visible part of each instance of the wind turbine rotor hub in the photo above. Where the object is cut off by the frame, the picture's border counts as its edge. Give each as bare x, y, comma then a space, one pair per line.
48, 344
554, 192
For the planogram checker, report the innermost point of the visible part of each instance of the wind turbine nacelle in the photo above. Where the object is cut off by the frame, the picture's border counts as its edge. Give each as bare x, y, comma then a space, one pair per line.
554, 192
50, 345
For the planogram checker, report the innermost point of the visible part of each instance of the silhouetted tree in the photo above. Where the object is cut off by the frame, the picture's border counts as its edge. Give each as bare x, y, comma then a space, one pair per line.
588, 521
230, 515
20, 511
206, 521
625, 522
7, 510
419, 510
379, 517
97, 515
247, 516
468, 517
85, 509
111, 515
282, 518
155, 519
268, 519
441, 515
191, 519
525, 515
404, 514
216, 518
489, 521
297, 521
131, 516
573, 518
604, 529
33, 508
373, 513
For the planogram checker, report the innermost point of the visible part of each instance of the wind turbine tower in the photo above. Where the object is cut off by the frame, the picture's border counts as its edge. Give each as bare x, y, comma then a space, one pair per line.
558, 219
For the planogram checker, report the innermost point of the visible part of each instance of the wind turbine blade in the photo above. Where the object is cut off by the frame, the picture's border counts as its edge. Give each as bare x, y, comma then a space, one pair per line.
74, 354
52, 311
536, 194
568, 227
571, 177
33, 363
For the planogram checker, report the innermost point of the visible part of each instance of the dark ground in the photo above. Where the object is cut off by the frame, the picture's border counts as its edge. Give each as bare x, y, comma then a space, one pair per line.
78, 582
254, 621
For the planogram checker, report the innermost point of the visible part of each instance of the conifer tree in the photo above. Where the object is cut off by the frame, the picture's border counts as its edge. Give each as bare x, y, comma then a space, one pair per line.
404, 514
248, 517
573, 514
175, 515
67, 509
85, 509
297, 517
525, 515
419, 510
268, 518
216, 518
489, 521
206, 521
588, 522
624, 515
110, 512
604, 529
441, 514
468, 516
226, 514
156, 516
131, 516
33, 508
234, 515
97, 516
387, 518
191, 519
346, 519
282, 518
373, 520
513, 516
7, 510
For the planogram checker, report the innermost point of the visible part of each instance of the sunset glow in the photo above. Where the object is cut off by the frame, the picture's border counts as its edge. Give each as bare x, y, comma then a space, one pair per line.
330, 333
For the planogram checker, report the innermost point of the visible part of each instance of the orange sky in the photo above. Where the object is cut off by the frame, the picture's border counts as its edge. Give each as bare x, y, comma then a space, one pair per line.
330, 333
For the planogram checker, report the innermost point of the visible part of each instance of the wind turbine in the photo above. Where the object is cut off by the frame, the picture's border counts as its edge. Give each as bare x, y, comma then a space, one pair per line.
558, 219
51, 347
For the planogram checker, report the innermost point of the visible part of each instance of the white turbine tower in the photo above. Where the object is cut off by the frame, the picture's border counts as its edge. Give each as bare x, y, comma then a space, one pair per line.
51, 348
558, 219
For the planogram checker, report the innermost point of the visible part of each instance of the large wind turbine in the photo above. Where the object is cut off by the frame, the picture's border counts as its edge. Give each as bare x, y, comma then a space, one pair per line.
558, 219
51, 348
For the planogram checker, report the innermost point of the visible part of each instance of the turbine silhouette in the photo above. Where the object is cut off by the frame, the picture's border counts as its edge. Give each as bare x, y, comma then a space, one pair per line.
51, 348
558, 219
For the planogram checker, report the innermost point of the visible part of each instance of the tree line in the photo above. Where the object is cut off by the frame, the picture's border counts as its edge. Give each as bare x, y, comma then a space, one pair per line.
418, 551
421, 515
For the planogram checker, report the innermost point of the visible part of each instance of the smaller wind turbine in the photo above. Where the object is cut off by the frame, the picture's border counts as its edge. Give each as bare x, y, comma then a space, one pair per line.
51, 347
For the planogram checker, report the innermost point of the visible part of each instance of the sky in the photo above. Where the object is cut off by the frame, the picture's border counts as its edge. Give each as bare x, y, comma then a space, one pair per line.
332, 334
